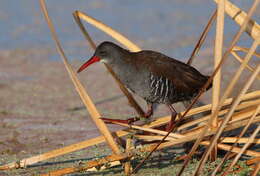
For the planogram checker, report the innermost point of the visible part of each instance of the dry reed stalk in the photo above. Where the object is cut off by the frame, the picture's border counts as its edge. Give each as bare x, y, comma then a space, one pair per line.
116, 35
239, 117
74, 147
217, 57
222, 139
100, 139
193, 135
250, 99
109, 160
236, 118
241, 60
247, 104
130, 45
220, 146
238, 121
201, 121
246, 113
251, 139
243, 64
127, 166
88, 165
242, 114
94, 141
249, 95
54, 153
241, 123
215, 95
226, 119
237, 75
253, 161
256, 171
234, 41
237, 139
238, 48
58, 152
205, 108
202, 37
153, 138
239, 16
233, 149
84, 31
160, 132
206, 143
79, 87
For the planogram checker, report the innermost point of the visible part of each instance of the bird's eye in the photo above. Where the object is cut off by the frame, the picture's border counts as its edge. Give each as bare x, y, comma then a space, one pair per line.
103, 53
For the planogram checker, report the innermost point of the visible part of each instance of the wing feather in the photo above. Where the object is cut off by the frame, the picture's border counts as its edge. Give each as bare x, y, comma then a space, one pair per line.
185, 78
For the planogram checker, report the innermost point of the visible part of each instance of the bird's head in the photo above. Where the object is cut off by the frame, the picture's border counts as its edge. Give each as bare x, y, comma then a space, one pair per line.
106, 52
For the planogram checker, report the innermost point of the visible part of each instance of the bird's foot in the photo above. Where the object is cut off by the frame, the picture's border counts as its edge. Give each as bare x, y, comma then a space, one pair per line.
127, 121
169, 126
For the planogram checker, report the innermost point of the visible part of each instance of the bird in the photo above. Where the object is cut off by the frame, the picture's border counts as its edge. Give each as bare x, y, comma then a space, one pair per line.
157, 78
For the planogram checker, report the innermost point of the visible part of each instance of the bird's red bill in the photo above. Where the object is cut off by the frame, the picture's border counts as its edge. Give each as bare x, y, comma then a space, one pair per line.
89, 62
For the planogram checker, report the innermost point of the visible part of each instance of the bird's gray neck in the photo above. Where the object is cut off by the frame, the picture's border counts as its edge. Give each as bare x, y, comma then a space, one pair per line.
121, 60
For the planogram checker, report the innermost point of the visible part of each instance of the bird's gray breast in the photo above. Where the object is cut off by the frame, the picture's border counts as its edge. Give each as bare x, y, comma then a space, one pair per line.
134, 78
151, 87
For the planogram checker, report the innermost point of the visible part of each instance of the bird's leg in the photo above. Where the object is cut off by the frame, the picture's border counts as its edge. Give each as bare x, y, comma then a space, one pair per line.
148, 114
173, 117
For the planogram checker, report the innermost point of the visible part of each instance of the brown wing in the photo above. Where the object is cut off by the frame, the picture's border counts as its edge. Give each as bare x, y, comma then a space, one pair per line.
185, 78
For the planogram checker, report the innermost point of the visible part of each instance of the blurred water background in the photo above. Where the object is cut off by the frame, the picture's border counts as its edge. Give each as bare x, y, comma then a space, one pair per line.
171, 27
